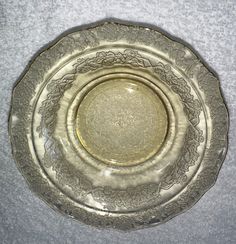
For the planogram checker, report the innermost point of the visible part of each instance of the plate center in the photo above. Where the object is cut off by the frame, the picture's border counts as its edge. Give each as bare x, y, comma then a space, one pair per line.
122, 122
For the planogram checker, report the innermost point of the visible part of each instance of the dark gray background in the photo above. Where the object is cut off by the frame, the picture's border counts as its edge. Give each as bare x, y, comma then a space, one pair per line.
25, 26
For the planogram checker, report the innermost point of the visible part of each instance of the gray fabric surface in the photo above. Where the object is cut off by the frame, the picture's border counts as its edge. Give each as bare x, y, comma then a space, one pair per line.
26, 26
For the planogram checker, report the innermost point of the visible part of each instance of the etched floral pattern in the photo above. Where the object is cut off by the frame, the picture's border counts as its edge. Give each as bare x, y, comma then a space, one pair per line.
182, 57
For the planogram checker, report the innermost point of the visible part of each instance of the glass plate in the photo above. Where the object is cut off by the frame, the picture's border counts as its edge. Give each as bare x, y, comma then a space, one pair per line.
118, 126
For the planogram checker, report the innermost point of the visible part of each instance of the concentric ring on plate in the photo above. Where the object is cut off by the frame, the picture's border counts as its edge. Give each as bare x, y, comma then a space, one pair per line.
175, 126
142, 118
64, 152
121, 122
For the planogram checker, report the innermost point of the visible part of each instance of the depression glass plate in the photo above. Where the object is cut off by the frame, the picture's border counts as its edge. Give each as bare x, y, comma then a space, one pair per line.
118, 126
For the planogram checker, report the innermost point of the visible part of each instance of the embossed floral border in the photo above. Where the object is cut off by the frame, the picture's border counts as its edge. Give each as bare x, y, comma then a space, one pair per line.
183, 58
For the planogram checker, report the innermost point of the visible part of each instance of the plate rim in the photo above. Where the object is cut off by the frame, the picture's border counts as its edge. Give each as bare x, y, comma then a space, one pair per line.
124, 222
